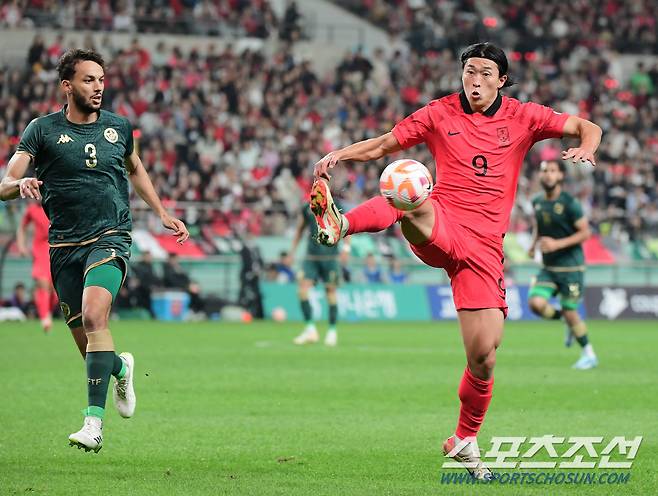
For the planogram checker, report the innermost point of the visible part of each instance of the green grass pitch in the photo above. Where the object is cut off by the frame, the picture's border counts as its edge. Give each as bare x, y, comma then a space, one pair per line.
238, 409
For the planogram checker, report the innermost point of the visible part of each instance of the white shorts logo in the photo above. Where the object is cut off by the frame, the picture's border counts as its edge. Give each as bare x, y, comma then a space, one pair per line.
111, 135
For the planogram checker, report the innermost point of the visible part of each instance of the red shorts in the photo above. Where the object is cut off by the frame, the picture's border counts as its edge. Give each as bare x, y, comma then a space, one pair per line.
41, 265
473, 260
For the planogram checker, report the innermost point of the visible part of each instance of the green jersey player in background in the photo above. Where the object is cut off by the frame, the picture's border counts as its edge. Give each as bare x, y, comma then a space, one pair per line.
320, 265
560, 229
83, 158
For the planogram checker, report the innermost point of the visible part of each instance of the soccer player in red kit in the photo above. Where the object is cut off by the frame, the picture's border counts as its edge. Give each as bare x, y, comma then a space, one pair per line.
479, 139
45, 297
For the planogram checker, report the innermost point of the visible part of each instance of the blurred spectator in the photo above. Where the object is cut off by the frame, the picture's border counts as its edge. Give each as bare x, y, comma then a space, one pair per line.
396, 274
174, 276
372, 273
21, 300
145, 281
283, 268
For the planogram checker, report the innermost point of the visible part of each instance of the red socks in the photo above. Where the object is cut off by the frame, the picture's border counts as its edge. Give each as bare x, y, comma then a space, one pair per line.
42, 302
475, 396
373, 215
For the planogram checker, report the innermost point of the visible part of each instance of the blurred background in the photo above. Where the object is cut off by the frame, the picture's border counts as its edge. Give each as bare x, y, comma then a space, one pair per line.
233, 101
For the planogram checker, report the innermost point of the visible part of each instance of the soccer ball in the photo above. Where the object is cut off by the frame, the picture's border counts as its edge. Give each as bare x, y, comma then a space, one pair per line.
405, 184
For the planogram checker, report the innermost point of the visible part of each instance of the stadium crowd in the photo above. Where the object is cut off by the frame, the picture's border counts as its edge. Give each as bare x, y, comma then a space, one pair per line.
241, 131
238, 18
625, 26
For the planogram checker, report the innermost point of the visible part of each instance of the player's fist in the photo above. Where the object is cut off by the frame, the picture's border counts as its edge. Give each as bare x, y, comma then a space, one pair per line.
28, 187
176, 225
329, 161
548, 245
579, 154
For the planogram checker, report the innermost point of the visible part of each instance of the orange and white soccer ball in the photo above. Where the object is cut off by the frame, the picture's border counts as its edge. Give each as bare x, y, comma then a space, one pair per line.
405, 184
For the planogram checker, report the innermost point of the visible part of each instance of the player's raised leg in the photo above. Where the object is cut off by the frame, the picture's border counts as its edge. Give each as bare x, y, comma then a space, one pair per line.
588, 359
482, 332
310, 334
374, 215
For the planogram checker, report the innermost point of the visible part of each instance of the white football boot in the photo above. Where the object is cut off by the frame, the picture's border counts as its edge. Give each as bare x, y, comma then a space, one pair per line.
308, 336
90, 437
123, 391
331, 339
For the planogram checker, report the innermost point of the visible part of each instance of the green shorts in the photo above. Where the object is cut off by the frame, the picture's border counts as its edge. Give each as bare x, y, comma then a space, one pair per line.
567, 285
325, 271
69, 266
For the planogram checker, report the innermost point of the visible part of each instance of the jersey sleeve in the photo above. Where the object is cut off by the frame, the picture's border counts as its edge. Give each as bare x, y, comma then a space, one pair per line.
575, 210
31, 140
415, 128
544, 121
130, 144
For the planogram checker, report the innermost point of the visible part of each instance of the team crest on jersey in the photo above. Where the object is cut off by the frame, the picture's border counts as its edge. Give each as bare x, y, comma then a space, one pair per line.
111, 135
558, 208
66, 310
503, 136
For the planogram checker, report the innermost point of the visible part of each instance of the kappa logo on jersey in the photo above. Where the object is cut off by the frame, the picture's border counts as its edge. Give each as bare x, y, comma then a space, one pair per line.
111, 135
64, 138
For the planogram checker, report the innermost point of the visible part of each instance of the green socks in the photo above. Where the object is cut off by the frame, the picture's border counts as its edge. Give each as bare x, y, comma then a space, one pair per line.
333, 315
100, 366
306, 311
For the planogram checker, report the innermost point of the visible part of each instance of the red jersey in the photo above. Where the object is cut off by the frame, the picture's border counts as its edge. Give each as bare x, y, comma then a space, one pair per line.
478, 156
34, 214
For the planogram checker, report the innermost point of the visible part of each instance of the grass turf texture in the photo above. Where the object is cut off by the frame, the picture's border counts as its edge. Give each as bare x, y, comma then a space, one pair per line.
238, 409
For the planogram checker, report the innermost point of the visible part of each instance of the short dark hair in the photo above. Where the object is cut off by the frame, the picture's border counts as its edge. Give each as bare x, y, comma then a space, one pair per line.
492, 52
70, 58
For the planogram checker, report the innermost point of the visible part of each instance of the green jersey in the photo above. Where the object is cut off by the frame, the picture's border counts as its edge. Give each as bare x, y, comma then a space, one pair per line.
313, 248
85, 182
556, 219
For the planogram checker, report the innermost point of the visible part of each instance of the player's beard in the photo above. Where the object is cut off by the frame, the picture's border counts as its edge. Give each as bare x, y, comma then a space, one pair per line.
549, 188
83, 104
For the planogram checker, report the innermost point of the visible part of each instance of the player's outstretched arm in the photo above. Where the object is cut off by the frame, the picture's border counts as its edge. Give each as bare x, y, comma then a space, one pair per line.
144, 187
14, 184
590, 138
370, 149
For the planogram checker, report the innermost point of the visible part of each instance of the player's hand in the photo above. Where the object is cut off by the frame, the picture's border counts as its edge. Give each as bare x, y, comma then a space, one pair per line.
22, 250
176, 225
329, 161
531, 251
548, 245
579, 155
28, 187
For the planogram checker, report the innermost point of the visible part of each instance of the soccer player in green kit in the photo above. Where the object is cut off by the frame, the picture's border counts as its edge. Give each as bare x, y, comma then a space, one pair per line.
560, 229
320, 264
83, 157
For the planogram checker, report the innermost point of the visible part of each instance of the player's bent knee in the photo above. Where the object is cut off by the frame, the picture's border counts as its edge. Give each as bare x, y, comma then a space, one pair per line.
94, 318
536, 304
